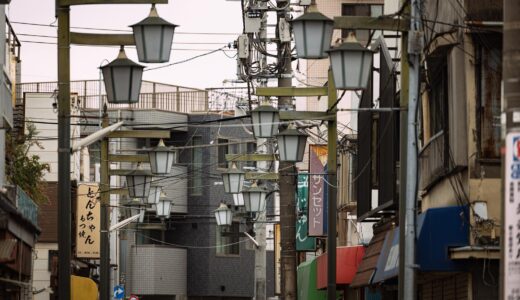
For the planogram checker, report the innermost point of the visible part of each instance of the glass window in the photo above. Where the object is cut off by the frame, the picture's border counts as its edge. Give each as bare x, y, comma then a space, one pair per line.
197, 165
228, 239
489, 55
362, 10
223, 149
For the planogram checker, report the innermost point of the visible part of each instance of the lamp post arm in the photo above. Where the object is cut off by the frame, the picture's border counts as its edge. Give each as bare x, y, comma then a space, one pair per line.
96, 136
124, 223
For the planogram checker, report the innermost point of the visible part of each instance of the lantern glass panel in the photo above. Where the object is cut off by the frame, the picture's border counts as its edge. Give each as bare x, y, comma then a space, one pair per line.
312, 38
161, 161
351, 69
163, 208
265, 123
238, 199
254, 201
154, 195
138, 186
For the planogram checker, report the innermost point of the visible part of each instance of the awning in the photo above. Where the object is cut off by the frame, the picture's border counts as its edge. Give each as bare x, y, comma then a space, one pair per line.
367, 267
307, 282
347, 263
438, 230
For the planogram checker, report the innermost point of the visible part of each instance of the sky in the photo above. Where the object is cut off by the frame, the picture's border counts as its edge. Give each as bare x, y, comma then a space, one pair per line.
204, 25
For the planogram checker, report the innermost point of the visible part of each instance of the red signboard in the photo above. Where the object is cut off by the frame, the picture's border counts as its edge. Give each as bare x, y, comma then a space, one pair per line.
347, 263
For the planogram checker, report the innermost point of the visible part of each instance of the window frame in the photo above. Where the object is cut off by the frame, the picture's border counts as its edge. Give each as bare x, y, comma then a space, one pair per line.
233, 237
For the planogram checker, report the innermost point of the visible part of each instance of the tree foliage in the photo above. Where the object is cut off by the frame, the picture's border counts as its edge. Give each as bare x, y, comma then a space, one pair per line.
23, 169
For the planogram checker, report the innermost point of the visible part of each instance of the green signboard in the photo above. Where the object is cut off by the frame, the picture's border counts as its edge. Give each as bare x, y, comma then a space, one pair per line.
303, 241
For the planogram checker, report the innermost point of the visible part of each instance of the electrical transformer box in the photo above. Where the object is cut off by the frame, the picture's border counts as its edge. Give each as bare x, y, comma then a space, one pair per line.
243, 46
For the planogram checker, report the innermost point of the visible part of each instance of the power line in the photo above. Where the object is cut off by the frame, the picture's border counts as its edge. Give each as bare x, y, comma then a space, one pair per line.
122, 30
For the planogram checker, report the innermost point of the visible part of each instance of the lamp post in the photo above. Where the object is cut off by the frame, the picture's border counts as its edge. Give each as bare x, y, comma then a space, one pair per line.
138, 183
163, 207
313, 33
65, 39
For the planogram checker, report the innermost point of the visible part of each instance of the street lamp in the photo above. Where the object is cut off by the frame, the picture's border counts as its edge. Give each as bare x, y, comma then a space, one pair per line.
351, 64
265, 119
312, 35
153, 38
291, 144
254, 198
163, 207
161, 159
138, 183
154, 195
122, 78
223, 215
233, 179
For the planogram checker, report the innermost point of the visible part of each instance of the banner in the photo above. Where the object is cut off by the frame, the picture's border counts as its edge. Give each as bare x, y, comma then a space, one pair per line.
303, 241
317, 190
277, 259
512, 217
88, 221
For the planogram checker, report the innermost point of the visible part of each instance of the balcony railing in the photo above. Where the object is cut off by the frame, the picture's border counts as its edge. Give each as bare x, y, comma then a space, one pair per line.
26, 206
432, 160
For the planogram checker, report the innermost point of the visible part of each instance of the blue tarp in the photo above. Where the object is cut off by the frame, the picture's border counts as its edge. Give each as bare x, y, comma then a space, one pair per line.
438, 230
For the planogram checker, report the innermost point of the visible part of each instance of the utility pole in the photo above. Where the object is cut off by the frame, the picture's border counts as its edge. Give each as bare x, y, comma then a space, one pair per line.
286, 172
104, 190
411, 53
64, 186
509, 276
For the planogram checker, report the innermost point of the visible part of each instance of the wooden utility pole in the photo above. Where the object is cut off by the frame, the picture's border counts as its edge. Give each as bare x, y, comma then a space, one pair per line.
286, 172
510, 275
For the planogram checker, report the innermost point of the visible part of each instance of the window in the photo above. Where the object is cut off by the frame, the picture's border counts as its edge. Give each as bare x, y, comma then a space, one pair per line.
438, 93
222, 151
489, 77
362, 10
226, 147
250, 149
228, 239
197, 165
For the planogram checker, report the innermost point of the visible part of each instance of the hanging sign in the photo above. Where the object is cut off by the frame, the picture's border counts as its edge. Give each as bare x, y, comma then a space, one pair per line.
88, 217
303, 241
317, 190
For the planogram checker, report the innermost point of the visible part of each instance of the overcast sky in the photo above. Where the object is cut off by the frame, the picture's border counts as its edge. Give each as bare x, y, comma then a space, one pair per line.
220, 18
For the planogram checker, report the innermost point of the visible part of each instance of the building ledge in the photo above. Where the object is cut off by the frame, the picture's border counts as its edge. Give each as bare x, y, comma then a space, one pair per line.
478, 252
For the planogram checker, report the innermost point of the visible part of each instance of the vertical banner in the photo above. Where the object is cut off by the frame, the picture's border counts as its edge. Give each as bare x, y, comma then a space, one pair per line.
512, 217
88, 219
303, 241
317, 190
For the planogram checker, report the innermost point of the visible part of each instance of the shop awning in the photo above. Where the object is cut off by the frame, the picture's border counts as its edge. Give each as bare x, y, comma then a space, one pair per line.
368, 265
347, 263
307, 282
438, 230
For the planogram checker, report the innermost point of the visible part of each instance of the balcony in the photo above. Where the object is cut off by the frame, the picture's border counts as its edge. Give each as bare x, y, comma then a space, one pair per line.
26, 206
432, 161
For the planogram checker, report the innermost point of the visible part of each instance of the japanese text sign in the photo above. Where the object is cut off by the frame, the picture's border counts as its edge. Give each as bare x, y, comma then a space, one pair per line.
303, 241
317, 214
88, 211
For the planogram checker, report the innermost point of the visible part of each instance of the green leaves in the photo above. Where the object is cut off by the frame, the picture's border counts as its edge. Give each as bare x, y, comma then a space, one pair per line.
23, 169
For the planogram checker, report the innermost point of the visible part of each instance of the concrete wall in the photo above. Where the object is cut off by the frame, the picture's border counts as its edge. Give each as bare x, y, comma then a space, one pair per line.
41, 273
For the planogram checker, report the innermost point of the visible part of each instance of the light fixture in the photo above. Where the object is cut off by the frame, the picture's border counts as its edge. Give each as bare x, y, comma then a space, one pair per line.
265, 119
351, 64
254, 198
154, 195
161, 159
233, 179
238, 199
163, 207
138, 182
223, 215
312, 35
122, 78
153, 38
291, 144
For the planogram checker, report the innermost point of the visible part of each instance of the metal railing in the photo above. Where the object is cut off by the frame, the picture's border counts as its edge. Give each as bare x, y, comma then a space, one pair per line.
432, 160
26, 206
153, 96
